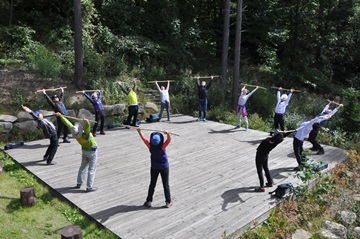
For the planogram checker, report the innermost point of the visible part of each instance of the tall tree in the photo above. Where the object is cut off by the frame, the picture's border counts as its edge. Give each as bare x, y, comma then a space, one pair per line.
235, 88
79, 62
225, 44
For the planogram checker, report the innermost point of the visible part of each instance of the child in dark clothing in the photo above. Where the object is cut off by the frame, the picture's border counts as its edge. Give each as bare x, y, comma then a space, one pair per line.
159, 164
49, 132
262, 156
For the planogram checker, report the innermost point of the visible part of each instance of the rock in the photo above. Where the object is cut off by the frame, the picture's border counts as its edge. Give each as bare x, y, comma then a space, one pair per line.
141, 108
23, 116
5, 127
346, 217
8, 118
356, 233
29, 125
152, 106
71, 113
357, 197
117, 109
301, 234
83, 113
333, 230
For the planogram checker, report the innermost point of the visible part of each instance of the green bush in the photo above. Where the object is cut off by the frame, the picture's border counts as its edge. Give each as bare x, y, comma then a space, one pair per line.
45, 62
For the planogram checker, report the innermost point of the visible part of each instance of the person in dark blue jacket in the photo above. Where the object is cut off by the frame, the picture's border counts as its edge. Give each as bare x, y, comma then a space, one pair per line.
49, 132
159, 164
56, 103
95, 99
202, 94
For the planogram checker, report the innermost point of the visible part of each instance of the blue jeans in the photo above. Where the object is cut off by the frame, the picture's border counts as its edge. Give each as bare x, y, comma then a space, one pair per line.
203, 107
154, 173
165, 105
88, 162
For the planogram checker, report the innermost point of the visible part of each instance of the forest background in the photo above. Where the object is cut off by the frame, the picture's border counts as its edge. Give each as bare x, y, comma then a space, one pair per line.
307, 45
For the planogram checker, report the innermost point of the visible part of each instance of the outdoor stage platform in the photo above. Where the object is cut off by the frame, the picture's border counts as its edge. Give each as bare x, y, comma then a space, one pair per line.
212, 179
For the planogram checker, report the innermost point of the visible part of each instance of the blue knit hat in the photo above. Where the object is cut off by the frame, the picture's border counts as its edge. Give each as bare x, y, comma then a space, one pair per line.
155, 139
36, 113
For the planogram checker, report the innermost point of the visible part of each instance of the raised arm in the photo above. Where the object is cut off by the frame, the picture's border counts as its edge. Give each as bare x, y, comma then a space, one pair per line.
123, 90
145, 140
168, 85
157, 85
51, 103
253, 91
168, 139
30, 112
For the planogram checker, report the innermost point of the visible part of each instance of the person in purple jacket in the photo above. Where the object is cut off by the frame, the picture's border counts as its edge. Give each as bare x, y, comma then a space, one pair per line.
95, 99
159, 164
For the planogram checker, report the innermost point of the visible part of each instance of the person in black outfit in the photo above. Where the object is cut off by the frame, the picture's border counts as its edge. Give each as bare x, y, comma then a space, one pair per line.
202, 94
262, 156
57, 105
49, 132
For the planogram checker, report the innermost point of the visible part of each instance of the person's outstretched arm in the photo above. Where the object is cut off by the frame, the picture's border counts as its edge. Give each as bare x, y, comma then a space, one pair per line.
168, 139
157, 85
144, 139
123, 89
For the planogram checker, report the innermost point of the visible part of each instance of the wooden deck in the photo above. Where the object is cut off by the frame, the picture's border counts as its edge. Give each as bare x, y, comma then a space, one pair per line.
212, 178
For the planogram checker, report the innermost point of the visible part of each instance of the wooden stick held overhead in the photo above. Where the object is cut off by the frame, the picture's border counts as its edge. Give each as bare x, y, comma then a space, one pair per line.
80, 91
254, 86
273, 87
153, 130
205, 77
161, 81
52, 89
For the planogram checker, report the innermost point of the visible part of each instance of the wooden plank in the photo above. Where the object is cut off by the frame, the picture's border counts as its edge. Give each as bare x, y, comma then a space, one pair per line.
212, 177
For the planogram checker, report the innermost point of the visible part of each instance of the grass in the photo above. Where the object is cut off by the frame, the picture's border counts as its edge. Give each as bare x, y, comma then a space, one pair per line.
47, 218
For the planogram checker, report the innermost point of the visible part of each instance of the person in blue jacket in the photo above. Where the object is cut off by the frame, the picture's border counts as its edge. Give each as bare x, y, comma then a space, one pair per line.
202, 94
95, 99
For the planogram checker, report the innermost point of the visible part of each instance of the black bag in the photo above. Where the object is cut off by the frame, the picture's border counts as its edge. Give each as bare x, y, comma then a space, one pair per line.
282, 190
153, 118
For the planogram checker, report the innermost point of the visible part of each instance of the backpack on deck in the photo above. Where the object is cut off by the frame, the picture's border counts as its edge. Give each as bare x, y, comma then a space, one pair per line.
282, 190
153, 118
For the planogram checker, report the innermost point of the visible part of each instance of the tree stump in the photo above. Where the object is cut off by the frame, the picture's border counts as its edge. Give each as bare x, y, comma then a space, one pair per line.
27, 197
71, 232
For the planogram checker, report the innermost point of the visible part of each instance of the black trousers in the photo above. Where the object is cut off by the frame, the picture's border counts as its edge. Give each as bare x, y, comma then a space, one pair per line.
313, 137
51, 150
154, 173
298, 150
99, 116
133, 114
261, 161
62, 128
279, 120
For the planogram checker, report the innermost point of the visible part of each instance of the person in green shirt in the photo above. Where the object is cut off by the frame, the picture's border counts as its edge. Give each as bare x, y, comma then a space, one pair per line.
81, 132
133, 104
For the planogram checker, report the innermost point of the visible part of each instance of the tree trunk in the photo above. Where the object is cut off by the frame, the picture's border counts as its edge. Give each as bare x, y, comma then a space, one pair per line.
236, 79
11, 12
71, 232
78, 45
27, 197
225, 45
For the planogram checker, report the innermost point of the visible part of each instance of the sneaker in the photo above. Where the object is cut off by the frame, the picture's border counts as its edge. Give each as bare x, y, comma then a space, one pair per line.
320, 152
269, 185
204, 119
259, 190
45, 158
78, 185
199, 119
66, 140
168, 204
237, 127
51, 163
102, 132
313, 149
93, 189
147, 204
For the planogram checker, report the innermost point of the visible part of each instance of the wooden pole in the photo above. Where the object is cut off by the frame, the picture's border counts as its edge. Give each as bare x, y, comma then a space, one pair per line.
161, 81
80, 91
74, 118
273, 87
200, 77
254, 86
53, 89
153, 130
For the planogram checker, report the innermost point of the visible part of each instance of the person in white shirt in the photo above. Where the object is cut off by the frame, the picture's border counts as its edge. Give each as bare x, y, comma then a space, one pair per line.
165, 100
315, 128
299, 137
241, 109
282, 103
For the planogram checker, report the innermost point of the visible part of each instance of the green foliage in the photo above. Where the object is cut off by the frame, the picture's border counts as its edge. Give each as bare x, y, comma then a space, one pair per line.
351, 112
45, 62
